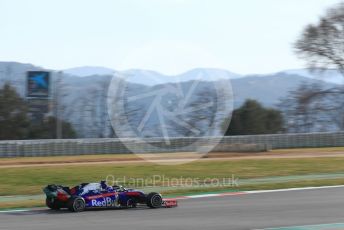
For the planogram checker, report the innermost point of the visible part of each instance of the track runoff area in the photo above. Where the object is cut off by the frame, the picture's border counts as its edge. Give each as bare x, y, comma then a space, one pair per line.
311, 208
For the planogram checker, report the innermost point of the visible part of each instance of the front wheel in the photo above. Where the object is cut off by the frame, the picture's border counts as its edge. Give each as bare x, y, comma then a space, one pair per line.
76, 204
154, 200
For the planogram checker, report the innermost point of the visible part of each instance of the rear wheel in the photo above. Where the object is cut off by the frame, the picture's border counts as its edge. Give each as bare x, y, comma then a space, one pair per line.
76, 204
51, 204
154, 200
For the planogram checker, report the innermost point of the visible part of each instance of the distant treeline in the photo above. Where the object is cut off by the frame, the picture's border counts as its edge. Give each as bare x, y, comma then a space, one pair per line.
309, 108
16, 124
253, 118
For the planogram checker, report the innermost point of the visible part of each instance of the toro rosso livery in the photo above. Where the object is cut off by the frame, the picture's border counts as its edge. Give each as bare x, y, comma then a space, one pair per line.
100, 195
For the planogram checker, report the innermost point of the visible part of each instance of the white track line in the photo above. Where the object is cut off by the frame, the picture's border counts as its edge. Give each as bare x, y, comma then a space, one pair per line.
14, 210
294, 189
256, 192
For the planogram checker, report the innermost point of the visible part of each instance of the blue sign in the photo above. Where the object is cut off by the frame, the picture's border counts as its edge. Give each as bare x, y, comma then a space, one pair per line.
38, 84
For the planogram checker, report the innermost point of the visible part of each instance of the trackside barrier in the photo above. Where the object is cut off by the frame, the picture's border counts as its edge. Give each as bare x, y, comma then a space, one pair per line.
248, 143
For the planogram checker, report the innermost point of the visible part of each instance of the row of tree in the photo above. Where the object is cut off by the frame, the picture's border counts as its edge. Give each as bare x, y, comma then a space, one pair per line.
253, 118
15, 121
306, 109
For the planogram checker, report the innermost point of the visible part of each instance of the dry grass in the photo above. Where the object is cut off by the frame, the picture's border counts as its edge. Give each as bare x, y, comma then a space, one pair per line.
30, 180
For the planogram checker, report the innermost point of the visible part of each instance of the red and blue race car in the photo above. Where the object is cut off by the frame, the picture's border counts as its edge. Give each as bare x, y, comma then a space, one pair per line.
100, 195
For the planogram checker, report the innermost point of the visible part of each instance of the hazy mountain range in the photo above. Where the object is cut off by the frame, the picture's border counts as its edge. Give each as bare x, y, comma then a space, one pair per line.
84, 89
143, 76
266, 88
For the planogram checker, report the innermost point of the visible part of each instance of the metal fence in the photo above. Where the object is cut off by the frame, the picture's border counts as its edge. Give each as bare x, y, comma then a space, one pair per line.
116, 146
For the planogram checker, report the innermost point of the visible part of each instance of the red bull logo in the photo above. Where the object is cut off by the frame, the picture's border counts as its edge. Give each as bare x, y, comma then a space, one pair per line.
105, 202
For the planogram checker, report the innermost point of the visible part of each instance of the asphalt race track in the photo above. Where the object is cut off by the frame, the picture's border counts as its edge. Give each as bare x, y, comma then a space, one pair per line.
252, 211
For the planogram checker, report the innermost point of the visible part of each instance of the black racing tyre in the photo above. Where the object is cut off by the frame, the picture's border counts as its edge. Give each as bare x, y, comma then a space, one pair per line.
76, 204
51, 204
154, 200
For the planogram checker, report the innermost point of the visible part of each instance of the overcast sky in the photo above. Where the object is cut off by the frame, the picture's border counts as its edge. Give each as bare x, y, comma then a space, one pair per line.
169, 36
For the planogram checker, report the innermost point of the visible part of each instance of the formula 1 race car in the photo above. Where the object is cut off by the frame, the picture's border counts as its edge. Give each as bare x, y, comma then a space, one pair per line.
100, 195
